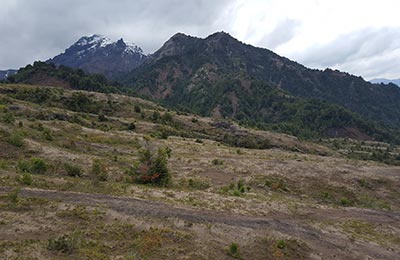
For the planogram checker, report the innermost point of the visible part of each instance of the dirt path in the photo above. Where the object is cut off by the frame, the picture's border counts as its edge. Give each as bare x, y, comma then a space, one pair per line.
331, 245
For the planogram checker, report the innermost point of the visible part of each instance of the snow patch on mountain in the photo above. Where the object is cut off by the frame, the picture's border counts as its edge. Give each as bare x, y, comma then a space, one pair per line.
99, 54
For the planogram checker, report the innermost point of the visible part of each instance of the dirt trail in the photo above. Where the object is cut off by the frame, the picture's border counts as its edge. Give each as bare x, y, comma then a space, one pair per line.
330, 245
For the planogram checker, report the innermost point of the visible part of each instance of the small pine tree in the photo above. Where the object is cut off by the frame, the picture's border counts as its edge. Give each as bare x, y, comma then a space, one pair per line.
153, 168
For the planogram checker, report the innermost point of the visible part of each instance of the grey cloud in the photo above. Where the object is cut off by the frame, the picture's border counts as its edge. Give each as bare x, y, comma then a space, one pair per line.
282, 33
40, 29
367, 52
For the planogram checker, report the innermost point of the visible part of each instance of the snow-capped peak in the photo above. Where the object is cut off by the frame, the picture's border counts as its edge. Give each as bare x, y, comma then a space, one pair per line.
95, 40
132, 48
98, 41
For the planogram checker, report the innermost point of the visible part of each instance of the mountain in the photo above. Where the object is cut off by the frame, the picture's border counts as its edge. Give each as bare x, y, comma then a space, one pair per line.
98, 54
6, 73
223, 77
386, 81
187, 66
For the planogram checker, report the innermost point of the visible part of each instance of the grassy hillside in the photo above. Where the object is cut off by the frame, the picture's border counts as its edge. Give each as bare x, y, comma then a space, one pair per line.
251, 102
64, 152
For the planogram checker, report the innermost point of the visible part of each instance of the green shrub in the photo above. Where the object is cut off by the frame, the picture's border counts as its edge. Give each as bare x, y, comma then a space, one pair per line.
37, 166
198, 184
26, 178
131, 126
47, 134
233, 251
281, 244
217, 162
344, 202
66, 244
137, 109
13, 196
16, 139
236, 193
73, 170
237, 189
102, 118
33, 166
8, 118
166, 118
99, 170
155, 116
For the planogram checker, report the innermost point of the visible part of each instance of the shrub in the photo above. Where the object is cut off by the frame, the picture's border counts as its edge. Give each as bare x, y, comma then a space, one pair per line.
66, 244
276, 183
102, 118
237, 189
155, 116
16, 139
166, 118
153, 168
47, 134
26, 178
8, 118
198, 184
137, 109
99, 170
163, 134
131, 126
344, 202
14, 196
33, 166
281, 244
217, 162
37, 166
233, 250
73, 170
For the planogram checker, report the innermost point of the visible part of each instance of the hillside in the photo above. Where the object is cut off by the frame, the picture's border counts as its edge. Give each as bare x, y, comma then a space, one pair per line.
250, 102
69, 165
48, 74
185, 66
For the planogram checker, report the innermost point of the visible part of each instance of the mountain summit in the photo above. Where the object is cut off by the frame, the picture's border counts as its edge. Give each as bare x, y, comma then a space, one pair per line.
189, 71
99, 54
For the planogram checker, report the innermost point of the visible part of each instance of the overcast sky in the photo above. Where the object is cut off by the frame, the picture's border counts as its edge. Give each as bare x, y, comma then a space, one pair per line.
358, 36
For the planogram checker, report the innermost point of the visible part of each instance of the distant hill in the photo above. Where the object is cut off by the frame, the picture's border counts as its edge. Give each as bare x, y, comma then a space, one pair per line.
47, 74
98, 54
386, 81
6, 73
